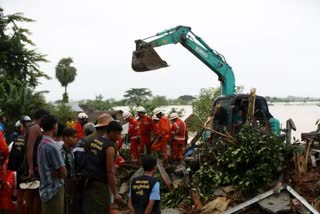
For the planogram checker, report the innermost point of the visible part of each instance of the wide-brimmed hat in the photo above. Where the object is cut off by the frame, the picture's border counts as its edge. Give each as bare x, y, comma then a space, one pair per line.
103, 120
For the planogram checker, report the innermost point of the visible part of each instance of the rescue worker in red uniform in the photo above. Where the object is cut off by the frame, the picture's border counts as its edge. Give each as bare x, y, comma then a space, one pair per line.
134, 134
7, 182
155, 129
82, 120
146, 127
161, 142
177, 137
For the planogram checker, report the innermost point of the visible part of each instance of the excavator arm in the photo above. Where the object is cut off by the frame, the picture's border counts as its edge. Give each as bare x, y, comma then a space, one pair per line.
145, 58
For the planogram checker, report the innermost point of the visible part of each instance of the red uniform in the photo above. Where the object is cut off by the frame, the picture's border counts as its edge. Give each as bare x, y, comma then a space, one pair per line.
119, 143
164, 131
77, 126
7, 177
134, 134
178, 136
146, 127
4, 152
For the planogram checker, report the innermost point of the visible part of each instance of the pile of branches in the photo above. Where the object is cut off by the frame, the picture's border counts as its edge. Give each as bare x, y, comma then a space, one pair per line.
249, 161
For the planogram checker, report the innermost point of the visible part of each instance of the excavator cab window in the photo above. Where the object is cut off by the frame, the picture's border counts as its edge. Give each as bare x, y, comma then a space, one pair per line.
230, 113
222, 115
240, 109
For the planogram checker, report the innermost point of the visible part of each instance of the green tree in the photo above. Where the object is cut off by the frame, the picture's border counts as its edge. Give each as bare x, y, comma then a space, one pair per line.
17, 99
136, 96
202, 106
159, 101
61, 111
186, 99
99, 104
19, 69
66, 74
18, 57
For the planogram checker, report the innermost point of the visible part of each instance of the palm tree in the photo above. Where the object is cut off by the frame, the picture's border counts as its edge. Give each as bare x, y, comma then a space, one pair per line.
66, 74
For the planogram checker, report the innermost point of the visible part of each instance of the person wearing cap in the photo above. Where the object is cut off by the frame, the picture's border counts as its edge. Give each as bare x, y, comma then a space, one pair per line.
99, 168
82, 120
177, 138
134, 134
146, 127
164, 133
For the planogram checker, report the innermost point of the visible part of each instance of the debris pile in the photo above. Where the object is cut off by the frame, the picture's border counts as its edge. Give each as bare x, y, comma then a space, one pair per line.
237, 174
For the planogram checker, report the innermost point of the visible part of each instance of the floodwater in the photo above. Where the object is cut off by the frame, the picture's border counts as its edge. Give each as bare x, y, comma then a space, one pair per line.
304, 115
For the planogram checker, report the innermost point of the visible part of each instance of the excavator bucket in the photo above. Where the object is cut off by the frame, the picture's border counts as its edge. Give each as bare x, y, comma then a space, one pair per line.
145, 58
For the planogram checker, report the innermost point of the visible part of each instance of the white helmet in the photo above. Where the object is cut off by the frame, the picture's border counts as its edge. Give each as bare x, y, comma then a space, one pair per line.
26, 118
141, 109
82, 115
173, 116
17, 124
154, 117
126, 115
157, 110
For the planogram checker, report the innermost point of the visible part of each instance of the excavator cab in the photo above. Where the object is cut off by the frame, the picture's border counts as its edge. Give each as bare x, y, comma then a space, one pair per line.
232, 112
145, 58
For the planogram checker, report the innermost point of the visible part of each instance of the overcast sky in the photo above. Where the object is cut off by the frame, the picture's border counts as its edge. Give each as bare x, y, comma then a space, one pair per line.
272, 45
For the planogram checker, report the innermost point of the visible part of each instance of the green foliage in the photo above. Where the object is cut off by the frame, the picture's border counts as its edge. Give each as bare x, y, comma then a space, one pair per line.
159, 101
17, 99
125, 153
203, 106
250, 162
65, 98
99, 104
186, 99
137, 96
18, 59
121, 102
61, 111
66, 74
181, 195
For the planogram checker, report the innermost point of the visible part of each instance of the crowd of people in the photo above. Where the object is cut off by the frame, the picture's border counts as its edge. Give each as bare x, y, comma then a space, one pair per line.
51, 167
